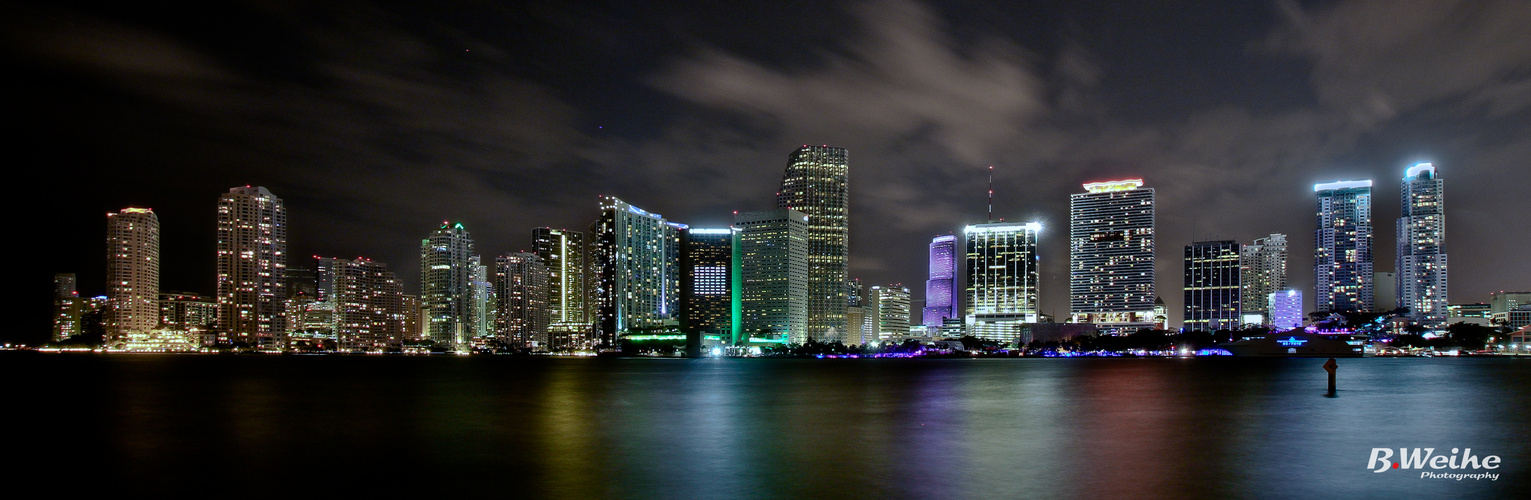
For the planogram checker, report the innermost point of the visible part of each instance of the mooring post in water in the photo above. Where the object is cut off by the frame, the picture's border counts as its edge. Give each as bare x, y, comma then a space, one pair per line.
1329, 366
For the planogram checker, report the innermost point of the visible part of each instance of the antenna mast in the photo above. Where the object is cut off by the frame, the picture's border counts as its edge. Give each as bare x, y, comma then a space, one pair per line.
991, 193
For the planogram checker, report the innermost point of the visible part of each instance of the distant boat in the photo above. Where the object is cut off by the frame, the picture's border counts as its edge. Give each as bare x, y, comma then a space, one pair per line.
1299, 344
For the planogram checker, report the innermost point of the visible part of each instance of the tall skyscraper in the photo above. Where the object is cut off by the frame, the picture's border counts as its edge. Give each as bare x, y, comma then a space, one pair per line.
1111, 255
521, 298
132, 273
887, 312
252, 267
637, 271
68, 307
940, 288
563, 254
1342, 257
706, 281
1002, 262
1264, 272
1213, 286
368, 300
815, 184
1421, 271
774, 272
448, 266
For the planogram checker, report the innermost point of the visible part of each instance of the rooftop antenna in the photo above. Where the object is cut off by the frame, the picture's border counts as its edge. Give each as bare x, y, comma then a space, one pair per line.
991, 193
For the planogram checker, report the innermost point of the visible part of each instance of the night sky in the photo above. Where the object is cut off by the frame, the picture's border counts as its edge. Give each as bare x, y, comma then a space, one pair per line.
376, 122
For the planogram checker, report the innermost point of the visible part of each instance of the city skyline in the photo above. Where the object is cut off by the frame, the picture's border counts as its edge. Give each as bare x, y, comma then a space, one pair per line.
1231, 152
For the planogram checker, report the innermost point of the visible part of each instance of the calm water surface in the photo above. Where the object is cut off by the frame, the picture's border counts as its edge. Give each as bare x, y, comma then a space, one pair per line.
758, 428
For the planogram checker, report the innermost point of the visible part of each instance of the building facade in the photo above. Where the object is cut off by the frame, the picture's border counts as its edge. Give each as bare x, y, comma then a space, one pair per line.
68, 307
1342, 257
774, 275
706, 282
1111, 255
1001, 272
1421, 263
815, 184
132, 274
1263, 273
448, 268
940, 288
1214, 288
1286, 309
252, 268
887, 312
521, 298
637, 270
368, 306
563, 254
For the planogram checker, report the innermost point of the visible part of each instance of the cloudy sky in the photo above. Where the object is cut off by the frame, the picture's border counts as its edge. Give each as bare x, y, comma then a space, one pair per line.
376, 122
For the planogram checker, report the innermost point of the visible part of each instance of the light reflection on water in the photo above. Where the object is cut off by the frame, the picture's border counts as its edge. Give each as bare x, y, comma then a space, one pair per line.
752, 428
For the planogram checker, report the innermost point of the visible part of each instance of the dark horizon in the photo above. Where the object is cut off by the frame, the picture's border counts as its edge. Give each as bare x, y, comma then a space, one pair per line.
376, 123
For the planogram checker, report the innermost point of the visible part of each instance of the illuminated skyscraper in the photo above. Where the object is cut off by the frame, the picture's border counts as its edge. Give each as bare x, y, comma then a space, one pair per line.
1213, 286
521, 298
887, 311
68, 307
368, 300
773, 271
1002, 279
1342, 257
447, 271
252, 267
815, 184
637, 269
1264, 272
706, 281
132, 273
1421, 272
563, 254
940, 299
1111, 254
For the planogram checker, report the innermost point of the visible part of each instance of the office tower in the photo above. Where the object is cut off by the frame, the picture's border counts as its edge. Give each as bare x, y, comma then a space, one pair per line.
481, 306
1264, 272
1213, 286
637, 269
706, 282
1111, 255
521, 300
1342, 257
414, 317
368, 300
815, 185
252, 267
1421, 264
132, 273
888, 312
1286, 309
855, 314
67, 307
1002, 279
940, 299
448, 266
774, 275
563, 254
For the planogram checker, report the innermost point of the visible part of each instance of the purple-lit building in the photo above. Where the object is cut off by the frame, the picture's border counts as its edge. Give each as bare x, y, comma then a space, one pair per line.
940, 302
1286, 309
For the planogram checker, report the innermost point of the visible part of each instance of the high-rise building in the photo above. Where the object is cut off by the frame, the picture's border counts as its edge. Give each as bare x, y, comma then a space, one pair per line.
1111, 255
773, 272
1503, 307
940, 288
563, 254
1002, 279
369, 311
68, 307
815, 184
637, 269
252, 267
1286, 309
1264, 272
1421, 264
414, 317
706, 281
887, 312
132, 273
187, 311
1342, 257
521, 299
1213, 286
448, 266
